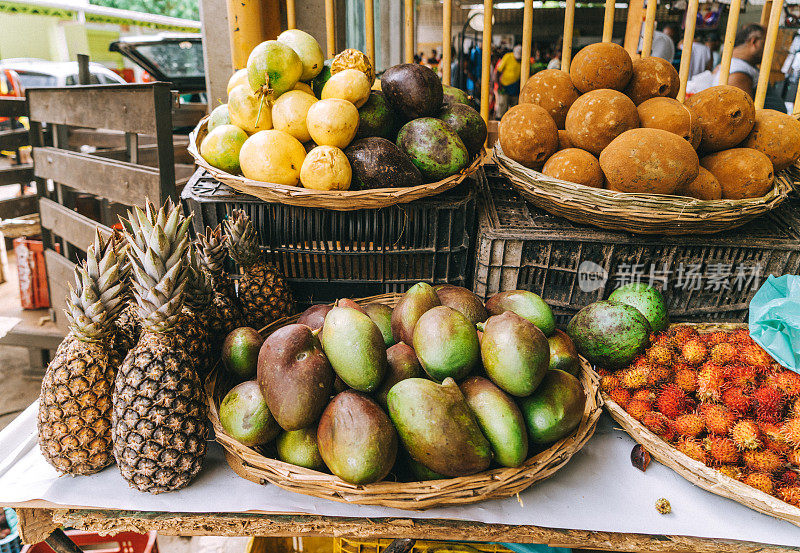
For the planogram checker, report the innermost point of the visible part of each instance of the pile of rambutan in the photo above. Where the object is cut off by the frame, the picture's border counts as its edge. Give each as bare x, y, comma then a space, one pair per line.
720, 399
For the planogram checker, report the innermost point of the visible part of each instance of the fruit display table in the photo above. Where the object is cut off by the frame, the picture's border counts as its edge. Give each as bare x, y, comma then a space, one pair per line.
597, 501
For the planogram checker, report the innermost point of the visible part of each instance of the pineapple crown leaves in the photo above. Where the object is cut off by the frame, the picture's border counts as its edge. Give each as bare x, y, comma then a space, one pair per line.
242, 239
199, 289
213, 251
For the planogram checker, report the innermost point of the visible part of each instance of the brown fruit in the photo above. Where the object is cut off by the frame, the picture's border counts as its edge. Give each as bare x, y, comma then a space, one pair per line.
598, 117
670, 115
777, 135
528, 135
575, 165
563, 140
704, 187
741, 172
652, 77
601, 65
726, 115
651, 161
553, 90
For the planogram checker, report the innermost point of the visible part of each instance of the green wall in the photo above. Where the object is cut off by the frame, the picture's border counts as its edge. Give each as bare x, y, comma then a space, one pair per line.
18, 31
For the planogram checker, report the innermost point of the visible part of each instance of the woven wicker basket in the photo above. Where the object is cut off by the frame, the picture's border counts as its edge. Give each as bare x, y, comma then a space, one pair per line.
338, 200
637, 213
696, 472
492, 484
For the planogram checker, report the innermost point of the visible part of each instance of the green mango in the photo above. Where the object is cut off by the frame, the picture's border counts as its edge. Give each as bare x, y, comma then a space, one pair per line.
240, 352
245, 416
299, 447
563, 355
381, 315
648, 300
376, 117
356, 439
318, 82
609, 334
525, 304
403, 363
355, 348
446, 343
462, 300
423, 473
437, 427
555, 409
433, 147
515, 353
500, 420
416, 301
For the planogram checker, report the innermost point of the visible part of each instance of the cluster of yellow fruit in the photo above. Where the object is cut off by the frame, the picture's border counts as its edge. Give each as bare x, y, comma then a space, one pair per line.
290, 114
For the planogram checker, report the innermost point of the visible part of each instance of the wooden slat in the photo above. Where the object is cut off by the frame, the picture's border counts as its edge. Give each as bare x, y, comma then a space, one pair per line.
73, 227
16, 174
17, 207
188, 115
127, 108
60, 273
13, 107
11, 140
117, 181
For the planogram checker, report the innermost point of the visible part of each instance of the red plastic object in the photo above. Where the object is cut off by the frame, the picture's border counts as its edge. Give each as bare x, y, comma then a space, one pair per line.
90, 542
32, 273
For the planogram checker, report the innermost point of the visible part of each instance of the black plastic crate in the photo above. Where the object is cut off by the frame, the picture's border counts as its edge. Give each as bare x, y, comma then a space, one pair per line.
703, 277
329, 254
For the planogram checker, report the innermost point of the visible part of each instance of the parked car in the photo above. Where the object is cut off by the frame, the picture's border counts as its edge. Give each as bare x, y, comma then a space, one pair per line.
10, 86
44, 73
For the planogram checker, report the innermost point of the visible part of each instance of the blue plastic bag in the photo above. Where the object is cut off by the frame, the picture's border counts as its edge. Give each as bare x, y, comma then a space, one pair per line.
534, 548
775, 319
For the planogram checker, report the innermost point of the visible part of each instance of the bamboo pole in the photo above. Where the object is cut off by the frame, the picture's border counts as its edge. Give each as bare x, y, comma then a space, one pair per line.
769, 52
633, 26
330, 28
527, 37
796, 105
649, 27
247, 29
369, 16
408, 14
291, 18
447, 39
566, 45
688, 39
608, 21
766, 9
486, 60
730, 37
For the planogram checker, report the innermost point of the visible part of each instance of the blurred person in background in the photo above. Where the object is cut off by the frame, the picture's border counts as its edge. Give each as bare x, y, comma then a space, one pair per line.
555, 59
701, 58
713, 43
507, 78
662, 47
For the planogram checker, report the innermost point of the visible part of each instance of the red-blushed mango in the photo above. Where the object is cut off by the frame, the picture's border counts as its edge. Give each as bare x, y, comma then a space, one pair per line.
417, 300
381, 315
528, 135
726, 115
575, 165
527, 305
777, 135
314, 316
462, 300
704, 187
355, 348
601, 65
446, 343
299, 447
670, 115
741, 172
563, 355
553, 90
598, 117
652, 77
245, 416
403, 363
649, 161
555, 409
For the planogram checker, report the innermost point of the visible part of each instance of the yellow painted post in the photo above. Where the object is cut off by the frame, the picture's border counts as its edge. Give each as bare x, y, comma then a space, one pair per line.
291, 18
688, 39
566, 46
527, 37
408, 10
649, 26
369, 16
796, 107
330, 28
608, 21
769, 52
447, 39
730, 37
247, 28
486, 61
766, 9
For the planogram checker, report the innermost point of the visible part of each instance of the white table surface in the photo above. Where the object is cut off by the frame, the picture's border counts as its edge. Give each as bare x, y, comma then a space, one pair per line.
597, 490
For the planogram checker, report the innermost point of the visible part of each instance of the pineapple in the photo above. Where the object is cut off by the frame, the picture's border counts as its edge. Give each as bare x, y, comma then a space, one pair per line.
193, 334
75, 404
127, 324
226, 313
263, 292
159, 416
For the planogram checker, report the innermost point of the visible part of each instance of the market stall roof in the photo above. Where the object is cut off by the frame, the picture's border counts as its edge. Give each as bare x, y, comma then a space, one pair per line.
598, 490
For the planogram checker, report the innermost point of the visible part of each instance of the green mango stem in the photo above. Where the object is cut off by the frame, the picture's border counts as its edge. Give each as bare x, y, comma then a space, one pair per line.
480, 326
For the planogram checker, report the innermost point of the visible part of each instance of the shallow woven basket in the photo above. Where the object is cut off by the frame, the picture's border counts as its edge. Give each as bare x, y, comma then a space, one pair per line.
637, 213
338, 200
696, 472
491, 484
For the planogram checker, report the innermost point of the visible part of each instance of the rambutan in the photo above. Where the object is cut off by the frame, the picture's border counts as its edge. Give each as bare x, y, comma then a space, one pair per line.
760, 481
690, 425
768, 404
672, 401
620, 396
686, 379
601, 372
790, 494
790, 431
660, 339
693, 449
788, 478
724, 353
637, 408
609, 382
773, 439
709, 382
730, 470
762, 460
794, 410
753, 354
740, 375
793, 457
741, 336
659, 425
660, 355
721, 450
737, 400
714, 338
746, 434
787, 382
660, 375
694, 352
718, 418
635, 377
681, 334
645, 394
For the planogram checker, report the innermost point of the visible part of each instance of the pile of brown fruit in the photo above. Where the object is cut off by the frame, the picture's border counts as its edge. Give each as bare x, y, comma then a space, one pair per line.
719, 398
613, 122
